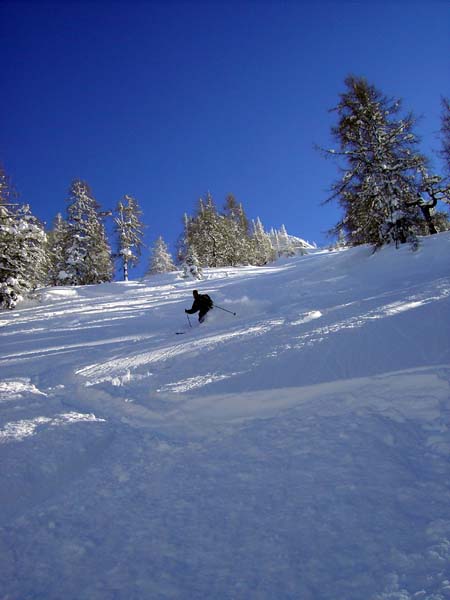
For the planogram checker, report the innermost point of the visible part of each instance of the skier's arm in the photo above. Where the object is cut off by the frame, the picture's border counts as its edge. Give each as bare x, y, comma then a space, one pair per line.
194, 309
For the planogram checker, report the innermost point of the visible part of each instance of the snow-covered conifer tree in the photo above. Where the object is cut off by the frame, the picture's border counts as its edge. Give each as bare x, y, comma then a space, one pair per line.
207, 233
236, 244
191, 265
263, 251
35, 260
129, 231
381, 174
285, 245
161, 260
183, 240
23, 258
273, 234
57, 244
219, 239
340, 242
88, 255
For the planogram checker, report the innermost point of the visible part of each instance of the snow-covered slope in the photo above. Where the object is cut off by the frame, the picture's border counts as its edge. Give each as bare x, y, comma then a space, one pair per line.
297, 450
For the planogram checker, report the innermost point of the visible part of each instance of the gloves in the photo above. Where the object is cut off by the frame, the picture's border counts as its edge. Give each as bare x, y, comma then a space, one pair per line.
185, 310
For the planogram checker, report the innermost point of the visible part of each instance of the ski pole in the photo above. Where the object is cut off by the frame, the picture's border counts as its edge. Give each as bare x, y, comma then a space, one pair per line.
189, 321
225, 309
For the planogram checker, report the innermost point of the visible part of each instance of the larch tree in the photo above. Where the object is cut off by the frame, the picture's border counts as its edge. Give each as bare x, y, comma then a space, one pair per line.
445, 133
382, 165
431, 190
129, 231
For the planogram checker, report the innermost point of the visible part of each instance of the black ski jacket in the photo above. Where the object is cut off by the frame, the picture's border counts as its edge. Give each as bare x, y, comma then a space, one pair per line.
202, 303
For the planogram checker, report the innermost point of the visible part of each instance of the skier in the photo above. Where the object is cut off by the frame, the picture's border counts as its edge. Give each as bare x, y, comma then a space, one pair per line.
202, 304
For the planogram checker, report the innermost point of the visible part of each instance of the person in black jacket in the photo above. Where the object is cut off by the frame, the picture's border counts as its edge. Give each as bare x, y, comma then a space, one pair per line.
202, 304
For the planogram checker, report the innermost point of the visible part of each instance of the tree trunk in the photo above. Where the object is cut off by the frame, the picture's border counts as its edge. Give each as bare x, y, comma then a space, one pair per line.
426, 211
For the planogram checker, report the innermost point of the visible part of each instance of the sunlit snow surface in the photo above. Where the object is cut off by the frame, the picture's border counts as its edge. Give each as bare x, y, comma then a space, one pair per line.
298, 450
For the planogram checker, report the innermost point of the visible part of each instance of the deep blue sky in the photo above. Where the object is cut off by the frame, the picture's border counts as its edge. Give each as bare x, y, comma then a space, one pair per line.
165, 101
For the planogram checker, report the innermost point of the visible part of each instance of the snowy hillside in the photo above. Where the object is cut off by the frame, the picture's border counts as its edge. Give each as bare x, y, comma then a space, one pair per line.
299, 450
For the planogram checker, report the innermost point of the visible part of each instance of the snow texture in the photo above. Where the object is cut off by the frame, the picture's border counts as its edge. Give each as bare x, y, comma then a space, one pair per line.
299, 450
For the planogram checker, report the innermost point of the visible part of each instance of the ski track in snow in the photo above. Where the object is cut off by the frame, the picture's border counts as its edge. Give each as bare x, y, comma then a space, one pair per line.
300, 450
